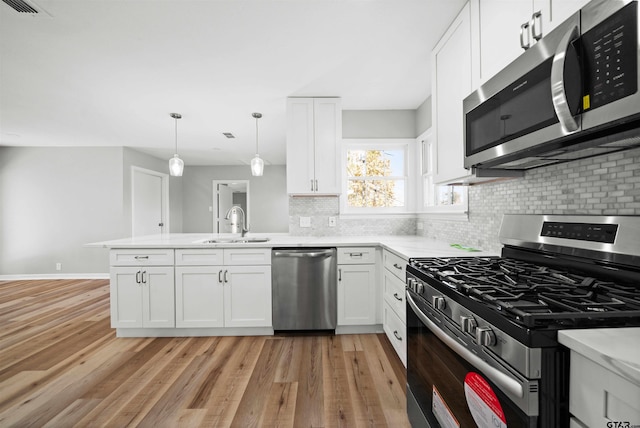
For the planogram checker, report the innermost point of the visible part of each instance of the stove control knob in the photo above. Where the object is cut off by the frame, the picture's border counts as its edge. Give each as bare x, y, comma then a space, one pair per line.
411, 284
468, 324
485, 336
420, 288
439, 302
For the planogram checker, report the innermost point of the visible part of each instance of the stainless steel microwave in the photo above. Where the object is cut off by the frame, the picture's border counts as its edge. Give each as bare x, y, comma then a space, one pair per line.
574, 94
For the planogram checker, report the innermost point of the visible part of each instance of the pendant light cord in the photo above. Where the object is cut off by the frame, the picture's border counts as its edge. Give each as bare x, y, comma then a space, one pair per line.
176, 152
256, 135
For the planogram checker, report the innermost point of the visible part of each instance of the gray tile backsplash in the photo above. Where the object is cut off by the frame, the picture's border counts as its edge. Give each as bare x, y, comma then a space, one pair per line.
605, 185
320, 208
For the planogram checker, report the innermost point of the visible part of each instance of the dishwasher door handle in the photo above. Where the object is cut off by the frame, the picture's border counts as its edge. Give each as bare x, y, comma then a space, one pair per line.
304, 253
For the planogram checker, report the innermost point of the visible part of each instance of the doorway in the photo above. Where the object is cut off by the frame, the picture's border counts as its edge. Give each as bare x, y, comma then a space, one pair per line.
227, 194
149, 202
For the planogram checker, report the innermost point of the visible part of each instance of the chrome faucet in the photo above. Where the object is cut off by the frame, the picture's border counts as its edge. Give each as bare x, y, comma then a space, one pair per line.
234, 210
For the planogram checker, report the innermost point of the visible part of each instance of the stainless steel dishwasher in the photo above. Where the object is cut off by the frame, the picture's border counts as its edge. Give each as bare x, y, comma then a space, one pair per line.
304, 288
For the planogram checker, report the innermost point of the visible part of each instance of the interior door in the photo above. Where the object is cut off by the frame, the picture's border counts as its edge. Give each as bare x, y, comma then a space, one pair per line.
148, 203
225, 202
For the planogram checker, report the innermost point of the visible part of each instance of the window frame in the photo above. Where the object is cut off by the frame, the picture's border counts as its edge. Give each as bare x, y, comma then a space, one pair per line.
407, 145
427, 188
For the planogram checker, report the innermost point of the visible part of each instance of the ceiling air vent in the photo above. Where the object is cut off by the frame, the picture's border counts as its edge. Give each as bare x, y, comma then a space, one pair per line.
25, 8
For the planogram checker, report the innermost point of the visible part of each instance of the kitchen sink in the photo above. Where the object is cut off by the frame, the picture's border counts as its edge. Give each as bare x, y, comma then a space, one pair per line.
233, 240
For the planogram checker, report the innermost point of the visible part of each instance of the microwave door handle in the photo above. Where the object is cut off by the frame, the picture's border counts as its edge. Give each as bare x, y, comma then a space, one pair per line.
511, 385
558, 93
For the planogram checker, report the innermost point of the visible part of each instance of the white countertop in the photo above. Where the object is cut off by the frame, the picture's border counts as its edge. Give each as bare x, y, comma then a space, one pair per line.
616, 349
404, 245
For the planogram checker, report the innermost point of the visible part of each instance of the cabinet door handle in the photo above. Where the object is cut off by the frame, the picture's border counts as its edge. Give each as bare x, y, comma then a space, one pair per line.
339, 274
396, 296
144, 280
141, 257
355, 254
397, 266
138, 277
524, 28
226, 279
220, 276
311, 185
316, 185
535, 18
395, 333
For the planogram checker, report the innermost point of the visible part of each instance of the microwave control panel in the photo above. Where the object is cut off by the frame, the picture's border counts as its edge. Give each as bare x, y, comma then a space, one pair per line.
610, 58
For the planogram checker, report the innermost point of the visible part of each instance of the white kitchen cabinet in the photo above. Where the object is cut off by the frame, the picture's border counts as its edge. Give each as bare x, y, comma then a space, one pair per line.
247, 296
142, 288
357, 297
199, 296
496, 27
598, 396
394, 317
452, 70
314, 132
223, 288
142, 296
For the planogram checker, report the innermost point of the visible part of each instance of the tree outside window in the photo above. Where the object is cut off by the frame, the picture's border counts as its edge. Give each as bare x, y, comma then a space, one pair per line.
376, 178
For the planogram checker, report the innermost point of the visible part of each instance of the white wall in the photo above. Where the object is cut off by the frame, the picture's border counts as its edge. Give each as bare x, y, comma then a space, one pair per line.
378, 124
55, 200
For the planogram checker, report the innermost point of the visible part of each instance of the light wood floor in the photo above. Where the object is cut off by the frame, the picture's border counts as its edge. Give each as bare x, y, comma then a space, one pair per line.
61, 366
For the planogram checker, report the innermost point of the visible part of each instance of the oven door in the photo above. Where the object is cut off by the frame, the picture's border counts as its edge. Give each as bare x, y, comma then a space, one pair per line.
446, 390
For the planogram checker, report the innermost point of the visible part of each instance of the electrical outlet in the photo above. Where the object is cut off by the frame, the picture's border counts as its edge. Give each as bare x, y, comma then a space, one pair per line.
420, 225
58, 266
332, 222
305, 221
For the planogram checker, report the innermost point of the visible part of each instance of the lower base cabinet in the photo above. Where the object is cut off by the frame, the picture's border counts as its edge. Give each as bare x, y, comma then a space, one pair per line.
394, 308
224, 295
142, 297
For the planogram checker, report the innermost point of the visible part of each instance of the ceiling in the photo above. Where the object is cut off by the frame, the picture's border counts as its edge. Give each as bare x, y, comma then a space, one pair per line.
109, 72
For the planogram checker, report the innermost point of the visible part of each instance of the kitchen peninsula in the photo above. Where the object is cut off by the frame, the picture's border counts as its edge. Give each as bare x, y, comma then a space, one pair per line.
208, 285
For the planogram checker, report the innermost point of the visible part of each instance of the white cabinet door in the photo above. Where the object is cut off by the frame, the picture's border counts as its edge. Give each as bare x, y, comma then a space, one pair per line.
247, 296
126, 297
300, 155
452, 74
199, 296
328, 133
142, 297
555, 12
356, 295
314, 130
499, 24
158, 305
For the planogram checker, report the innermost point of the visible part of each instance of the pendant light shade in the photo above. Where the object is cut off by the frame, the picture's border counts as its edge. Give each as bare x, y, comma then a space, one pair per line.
257, 164
176, 165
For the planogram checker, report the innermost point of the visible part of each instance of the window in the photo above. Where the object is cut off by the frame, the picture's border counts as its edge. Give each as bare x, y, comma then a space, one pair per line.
438, 198
376, 177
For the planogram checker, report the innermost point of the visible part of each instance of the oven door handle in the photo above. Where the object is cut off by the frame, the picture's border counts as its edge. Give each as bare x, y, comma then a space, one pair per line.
511, 385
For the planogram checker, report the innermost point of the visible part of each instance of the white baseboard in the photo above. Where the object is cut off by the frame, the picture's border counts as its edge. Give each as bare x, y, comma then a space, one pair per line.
26, 277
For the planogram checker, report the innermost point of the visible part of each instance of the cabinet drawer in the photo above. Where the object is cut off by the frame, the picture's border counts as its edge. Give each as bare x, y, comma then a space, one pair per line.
247, 256
393, 290
394, 263
198, 257
598, 395
356, 255
141, 257
396, 331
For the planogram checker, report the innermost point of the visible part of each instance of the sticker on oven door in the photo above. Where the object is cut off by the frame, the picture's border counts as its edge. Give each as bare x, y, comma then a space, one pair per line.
441, 411
483, 402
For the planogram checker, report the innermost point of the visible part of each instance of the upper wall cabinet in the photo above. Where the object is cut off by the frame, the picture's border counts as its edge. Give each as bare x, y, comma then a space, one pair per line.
314, 132
503, 28
452, 71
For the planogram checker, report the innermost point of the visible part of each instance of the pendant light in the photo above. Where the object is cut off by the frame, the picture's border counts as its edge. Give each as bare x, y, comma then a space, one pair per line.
257, 164
176, 165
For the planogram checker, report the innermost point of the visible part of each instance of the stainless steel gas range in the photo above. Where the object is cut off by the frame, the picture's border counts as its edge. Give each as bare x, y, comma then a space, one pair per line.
482, 331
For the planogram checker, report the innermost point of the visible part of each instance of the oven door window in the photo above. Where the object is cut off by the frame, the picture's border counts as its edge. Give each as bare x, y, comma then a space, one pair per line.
437, 375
